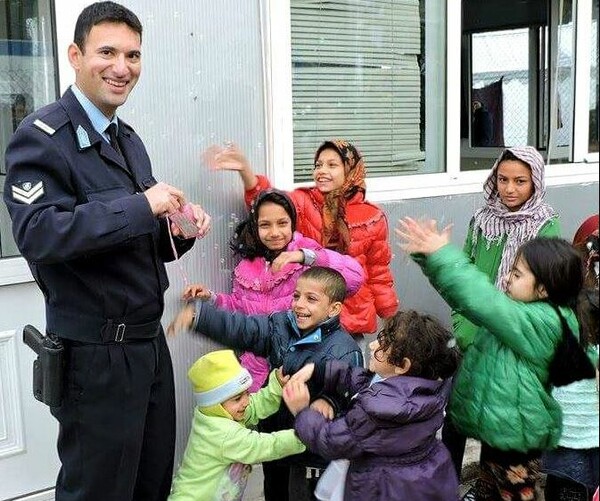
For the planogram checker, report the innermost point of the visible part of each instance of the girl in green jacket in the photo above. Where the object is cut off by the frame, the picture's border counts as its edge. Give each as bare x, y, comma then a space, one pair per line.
501, 393
514, 212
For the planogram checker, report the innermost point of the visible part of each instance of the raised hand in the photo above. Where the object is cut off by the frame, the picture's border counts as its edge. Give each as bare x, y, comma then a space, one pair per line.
421, 237
230, 157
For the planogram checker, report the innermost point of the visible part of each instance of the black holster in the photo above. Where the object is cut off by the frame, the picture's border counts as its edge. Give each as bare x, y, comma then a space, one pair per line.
49, 366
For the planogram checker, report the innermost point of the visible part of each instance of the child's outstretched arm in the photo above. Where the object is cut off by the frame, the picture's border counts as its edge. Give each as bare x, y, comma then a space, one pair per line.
267, 400
235, 330
311, 253
531, 330
231, 157
243, 445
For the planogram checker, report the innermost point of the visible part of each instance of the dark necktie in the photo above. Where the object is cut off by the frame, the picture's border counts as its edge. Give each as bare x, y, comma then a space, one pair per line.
112, 134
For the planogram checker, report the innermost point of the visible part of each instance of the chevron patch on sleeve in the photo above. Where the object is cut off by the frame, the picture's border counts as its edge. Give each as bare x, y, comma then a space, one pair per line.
27, 193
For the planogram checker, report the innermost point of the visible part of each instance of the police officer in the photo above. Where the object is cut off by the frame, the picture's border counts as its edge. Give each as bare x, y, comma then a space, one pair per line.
88, 217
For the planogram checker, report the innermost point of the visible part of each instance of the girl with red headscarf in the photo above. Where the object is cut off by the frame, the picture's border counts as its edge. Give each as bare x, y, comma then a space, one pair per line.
334, 212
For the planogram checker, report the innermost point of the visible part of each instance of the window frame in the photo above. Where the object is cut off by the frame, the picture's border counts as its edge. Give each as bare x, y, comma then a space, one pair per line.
14, 269
279, 129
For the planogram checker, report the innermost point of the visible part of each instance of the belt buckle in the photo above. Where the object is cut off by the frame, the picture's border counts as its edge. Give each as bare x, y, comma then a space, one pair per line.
120, 333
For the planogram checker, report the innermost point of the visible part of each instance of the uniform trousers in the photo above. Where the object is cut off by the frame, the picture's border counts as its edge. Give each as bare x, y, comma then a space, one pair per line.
117, 422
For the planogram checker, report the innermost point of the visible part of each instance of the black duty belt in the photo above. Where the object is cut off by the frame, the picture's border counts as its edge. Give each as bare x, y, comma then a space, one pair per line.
99, 330
114, 331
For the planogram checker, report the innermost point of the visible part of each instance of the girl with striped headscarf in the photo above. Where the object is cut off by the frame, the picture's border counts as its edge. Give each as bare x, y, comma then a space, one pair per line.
514, 212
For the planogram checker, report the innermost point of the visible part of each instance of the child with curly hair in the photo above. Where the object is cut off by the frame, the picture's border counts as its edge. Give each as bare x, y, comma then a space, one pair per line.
389, 431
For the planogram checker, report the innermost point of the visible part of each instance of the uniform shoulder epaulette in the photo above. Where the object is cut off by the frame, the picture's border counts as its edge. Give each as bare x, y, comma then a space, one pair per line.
50, 118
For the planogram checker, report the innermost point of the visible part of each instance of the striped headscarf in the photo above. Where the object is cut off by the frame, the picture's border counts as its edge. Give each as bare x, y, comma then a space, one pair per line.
495, 220
335, 227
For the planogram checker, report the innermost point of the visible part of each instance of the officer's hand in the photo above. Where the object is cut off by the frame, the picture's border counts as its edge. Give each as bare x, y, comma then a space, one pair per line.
183, 321
164, 199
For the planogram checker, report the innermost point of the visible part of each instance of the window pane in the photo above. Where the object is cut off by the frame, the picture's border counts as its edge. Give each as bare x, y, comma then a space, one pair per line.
518, 81
562, 97
370, 72
27, 78
501, 80
593, 138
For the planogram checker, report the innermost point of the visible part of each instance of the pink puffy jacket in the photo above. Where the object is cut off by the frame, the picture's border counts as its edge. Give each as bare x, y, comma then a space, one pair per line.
258, 290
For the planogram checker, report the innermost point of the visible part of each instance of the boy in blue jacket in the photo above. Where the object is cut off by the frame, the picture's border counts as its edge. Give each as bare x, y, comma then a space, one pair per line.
309, 332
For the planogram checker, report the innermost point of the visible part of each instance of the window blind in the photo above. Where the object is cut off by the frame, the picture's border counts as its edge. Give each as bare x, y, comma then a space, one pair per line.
356, 75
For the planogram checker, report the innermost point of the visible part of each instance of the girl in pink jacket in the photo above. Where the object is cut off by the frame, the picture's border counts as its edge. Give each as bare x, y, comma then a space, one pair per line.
273, 256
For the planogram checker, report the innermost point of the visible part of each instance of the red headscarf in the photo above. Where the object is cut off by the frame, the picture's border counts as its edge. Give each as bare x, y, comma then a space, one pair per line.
335, 228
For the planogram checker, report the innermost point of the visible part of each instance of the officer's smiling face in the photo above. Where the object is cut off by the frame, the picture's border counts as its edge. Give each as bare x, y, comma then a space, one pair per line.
109, 65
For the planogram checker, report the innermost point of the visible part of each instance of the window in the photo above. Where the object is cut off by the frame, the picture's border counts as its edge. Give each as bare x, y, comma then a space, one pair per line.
519, 79
27, 79
370, 72
345, 68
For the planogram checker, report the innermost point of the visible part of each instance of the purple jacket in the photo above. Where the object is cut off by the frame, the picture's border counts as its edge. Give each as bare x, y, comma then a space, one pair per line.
257, 290
388, 434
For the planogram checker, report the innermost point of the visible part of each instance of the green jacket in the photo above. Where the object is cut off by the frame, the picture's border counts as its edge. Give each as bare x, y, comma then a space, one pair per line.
217, 459
501, 391
487, 257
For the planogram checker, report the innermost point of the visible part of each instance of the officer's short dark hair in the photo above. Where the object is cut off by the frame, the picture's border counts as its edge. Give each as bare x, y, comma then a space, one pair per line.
332, 281
103, 12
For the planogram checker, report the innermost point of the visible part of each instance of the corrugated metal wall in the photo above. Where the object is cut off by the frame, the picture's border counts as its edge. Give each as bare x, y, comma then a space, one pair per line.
202, 83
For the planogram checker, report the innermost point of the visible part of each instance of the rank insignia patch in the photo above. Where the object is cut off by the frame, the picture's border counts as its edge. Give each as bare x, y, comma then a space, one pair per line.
27, 192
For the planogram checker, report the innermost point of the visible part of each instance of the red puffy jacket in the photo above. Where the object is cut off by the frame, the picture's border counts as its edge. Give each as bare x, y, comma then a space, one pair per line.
368, 245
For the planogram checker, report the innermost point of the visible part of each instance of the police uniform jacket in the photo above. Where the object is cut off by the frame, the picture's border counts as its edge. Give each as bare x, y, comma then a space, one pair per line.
81, 221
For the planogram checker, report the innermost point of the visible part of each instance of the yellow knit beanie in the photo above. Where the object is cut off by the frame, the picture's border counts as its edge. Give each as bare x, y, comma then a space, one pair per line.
218, 376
